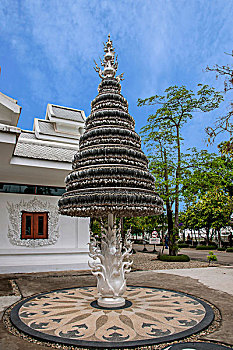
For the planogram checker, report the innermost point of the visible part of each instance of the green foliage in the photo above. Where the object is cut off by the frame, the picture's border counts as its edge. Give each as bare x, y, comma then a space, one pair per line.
221, 249
145, 224
211, 257
179, 103
176, 258
229, 250
226, 147
223, 123
95, 227
163, 138
205, 247
212, 211
205, 172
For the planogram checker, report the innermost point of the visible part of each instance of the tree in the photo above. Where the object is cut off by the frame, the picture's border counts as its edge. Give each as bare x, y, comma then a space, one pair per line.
211, 211
223, 123
144, 224
163, 134
206, 171
162, 167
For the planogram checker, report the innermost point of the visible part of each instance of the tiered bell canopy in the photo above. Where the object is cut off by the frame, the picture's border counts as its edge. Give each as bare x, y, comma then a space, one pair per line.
110, 171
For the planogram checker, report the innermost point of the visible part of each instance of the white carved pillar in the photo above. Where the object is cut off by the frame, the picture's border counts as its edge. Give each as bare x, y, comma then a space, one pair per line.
110, 264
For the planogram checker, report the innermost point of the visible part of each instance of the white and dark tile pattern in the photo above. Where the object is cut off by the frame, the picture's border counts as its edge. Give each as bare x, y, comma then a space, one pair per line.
151, 316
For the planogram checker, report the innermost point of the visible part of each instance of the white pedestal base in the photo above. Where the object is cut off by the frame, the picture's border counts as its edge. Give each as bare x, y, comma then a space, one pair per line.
111, 302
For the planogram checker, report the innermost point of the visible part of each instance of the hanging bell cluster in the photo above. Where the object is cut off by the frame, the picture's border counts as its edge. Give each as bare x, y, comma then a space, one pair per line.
110, 171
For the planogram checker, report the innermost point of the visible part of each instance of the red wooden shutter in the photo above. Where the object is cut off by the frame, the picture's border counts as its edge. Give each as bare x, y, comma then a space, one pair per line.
27, 226
40, 225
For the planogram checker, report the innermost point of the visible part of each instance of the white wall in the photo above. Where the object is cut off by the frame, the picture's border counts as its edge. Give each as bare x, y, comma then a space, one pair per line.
69, 252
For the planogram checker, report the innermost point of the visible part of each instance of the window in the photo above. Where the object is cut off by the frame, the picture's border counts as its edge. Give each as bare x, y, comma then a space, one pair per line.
32, 189
34, 225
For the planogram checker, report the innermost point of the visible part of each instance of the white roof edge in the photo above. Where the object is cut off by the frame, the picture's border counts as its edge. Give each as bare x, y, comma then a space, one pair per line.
43, 120
10, 103
64, 107
41, 163
66, 121
9, 98
27, 131
10, 128
51, 121
36, 128
58, 137
49, 143
50, 113
83, 115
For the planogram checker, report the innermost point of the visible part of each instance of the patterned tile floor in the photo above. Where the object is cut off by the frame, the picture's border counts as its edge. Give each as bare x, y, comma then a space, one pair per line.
67, 316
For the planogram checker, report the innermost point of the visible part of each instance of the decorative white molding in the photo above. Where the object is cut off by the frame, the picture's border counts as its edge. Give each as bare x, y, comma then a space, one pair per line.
41, 163
34, 205
25, 139
45, 152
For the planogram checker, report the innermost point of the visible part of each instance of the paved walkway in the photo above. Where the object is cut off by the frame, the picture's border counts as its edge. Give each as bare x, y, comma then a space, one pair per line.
212, 284
218, 278
224, 258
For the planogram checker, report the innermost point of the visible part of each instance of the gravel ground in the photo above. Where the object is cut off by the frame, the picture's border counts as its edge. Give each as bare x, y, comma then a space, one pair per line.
147, 261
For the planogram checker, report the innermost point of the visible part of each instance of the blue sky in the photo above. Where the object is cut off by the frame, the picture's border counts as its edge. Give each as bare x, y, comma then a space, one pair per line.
47, 49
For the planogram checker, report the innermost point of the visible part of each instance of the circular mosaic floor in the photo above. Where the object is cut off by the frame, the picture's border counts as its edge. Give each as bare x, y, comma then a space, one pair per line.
151, 316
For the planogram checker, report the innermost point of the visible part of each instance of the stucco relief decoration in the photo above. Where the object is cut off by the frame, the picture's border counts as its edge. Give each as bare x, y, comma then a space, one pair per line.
34, 205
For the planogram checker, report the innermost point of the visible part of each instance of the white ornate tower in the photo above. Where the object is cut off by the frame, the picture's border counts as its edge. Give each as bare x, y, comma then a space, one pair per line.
110, 178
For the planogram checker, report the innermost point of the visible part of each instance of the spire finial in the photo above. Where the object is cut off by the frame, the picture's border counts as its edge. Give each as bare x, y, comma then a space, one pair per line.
109, 62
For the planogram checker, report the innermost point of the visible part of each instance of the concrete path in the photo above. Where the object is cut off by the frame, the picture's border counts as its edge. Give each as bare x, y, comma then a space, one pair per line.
219, 278
7, 301
224, 258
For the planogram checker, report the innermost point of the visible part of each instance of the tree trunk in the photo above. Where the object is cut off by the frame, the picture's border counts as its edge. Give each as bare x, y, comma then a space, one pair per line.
163, 235
171, 233
198, 240
213, 233
184, 235
172, 251
195, 236
219, 239
207, 235
178, 170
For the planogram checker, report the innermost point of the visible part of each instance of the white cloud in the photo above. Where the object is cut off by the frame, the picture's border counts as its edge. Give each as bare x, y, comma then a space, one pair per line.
159, 43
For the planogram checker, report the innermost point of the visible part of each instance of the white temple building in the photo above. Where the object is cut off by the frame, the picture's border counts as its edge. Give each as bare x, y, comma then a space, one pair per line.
33, 166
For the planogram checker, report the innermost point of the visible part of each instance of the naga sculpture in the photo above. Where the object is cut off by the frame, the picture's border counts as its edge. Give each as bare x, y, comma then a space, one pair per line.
112, 265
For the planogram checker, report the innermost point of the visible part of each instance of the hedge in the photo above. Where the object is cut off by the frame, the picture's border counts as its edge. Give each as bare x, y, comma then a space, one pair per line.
176, 258
229, 250
183, 245
221, 249
205, 247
